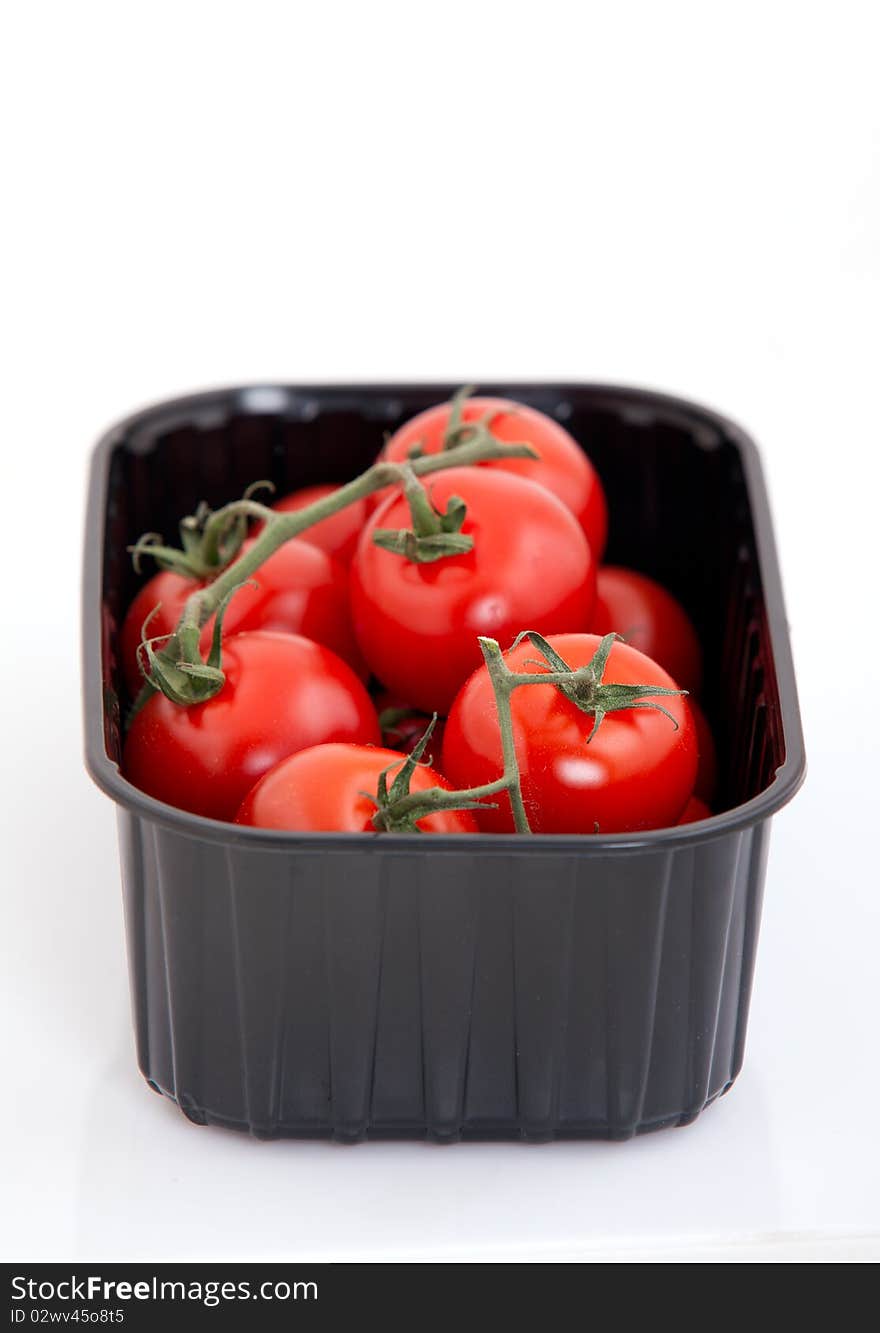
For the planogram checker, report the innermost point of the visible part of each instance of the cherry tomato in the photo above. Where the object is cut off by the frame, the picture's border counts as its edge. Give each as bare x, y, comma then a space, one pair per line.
563, 467
707, 767
300, 589
530, 567
404, 726
338, 534
693, 811
282, 693
636, 773
322, 790
650, 619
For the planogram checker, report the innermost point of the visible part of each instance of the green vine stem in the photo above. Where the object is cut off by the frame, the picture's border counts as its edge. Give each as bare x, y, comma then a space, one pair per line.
399, 810
181, 649
434, 535
457, 429
208, 540
584, 686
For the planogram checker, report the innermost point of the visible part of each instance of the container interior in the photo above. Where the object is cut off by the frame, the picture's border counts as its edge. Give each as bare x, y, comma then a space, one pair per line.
676, 492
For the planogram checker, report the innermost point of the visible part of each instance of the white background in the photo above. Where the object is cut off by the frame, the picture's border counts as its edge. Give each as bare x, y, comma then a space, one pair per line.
684, 196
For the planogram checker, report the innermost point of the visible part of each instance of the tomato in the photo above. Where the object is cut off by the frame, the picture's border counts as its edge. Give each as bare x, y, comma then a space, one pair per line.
636, 773
650, 619
707, 767
404, 726
321, 790
282, 693
338, 534
300, 589
563, 468
530, 567
693, 811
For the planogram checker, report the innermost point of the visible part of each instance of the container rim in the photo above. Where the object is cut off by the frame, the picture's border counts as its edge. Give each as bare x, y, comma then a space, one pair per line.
271, 398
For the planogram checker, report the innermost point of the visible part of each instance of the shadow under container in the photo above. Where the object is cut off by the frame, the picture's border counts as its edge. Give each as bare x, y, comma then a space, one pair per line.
357, 986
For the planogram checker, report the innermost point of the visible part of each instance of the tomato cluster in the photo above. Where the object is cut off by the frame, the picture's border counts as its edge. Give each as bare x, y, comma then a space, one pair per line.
350, 635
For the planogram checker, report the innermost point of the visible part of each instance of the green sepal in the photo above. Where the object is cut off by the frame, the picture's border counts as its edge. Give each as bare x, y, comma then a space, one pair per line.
177, 669
418, 805
549, 652
458, 431
184, 683
586, 690
455, 425
166, 557
386, 797
435, 533
208, 541
422, 550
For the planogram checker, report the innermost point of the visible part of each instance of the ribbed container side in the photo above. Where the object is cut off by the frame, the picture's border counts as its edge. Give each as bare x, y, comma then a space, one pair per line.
357, 994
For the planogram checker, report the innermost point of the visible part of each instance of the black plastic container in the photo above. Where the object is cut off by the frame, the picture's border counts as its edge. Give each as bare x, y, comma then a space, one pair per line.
366, 985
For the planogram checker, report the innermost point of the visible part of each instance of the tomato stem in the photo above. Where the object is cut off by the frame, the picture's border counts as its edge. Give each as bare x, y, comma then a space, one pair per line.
584, 687
456, 426
209, 540
402, 815
181, 649
434, 534
458, 430
504, 682
398, 810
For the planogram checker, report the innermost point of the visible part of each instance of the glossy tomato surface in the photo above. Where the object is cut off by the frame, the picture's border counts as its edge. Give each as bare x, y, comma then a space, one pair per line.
562, 468
530, 568
321, 790
649, 618
282, 693
636, 773
300, 589
338, 534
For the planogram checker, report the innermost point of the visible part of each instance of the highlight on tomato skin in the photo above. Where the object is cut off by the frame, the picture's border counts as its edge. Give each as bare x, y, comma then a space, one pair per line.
282, 693
300, 589
325, 789
338, 534
637, 772
418, 624
562, 468
650, 619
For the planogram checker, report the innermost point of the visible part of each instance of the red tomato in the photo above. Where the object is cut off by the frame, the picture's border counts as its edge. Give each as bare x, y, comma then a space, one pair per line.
563, 467
300, 589
530, 567
693, 811
338, 534
707, 768
282, 693
404, 726
650, 619
636, 773
321, 790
